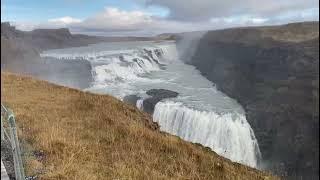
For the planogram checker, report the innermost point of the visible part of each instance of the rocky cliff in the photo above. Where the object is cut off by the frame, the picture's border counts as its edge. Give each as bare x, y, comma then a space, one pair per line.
274, 73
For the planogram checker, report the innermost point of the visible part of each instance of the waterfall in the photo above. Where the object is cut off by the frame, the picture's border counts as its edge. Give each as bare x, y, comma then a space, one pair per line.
228, 134
117, 66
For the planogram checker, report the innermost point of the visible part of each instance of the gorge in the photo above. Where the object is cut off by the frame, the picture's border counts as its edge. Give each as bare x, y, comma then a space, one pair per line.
249, 94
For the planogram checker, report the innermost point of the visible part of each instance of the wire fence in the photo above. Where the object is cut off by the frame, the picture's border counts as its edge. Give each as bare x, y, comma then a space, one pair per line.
9, 133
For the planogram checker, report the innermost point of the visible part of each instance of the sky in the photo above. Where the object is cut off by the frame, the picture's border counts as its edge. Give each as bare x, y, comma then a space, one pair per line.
151, 17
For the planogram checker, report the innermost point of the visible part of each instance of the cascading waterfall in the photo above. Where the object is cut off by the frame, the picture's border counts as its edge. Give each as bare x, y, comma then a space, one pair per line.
228, 134
114, 71
200, 114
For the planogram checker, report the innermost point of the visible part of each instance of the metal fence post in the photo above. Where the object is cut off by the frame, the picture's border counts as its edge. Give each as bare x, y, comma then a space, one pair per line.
7, 115
18, 165
2, 130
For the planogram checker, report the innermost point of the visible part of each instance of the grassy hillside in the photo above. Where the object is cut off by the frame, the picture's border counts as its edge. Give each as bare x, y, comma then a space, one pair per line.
78, 135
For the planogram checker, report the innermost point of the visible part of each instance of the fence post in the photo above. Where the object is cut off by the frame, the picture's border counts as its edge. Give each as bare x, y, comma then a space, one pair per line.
2, 130
19, 170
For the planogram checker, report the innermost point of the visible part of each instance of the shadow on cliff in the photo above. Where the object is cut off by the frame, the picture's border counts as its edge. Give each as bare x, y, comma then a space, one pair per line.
273, 72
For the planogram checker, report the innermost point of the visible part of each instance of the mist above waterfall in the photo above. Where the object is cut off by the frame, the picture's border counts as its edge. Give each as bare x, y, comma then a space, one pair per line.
187, 44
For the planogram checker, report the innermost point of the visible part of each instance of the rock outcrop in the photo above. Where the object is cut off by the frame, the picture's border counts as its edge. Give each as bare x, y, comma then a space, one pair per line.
274, 73
156, 96
131, 99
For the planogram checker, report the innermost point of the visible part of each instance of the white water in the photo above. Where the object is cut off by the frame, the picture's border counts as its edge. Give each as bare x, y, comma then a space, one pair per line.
228, 134
139, 104
199, 114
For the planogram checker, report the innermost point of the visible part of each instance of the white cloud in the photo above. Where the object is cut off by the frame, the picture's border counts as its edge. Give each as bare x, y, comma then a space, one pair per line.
182, 17
65, 20
26, 26
259, 20
240, 20
113, 21
202, 10
62, 22
116, 19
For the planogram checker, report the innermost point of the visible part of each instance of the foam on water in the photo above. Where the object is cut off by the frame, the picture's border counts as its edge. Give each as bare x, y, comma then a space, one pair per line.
200, 113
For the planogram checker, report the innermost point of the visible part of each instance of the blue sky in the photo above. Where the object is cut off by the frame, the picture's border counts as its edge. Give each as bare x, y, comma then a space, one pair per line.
42, 10
149, 17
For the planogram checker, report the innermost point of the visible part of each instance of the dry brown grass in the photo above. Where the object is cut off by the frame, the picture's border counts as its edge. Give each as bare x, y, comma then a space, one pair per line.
88, 136
294, 32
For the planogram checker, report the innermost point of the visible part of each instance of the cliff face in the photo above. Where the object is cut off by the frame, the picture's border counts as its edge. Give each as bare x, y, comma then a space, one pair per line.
274, 74
20, 53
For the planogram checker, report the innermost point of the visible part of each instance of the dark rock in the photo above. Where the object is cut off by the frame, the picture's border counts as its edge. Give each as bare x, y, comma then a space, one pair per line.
131, 99
156, 96
162, 93
276, 79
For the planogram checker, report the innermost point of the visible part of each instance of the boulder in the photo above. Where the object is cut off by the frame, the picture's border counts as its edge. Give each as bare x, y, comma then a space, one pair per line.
156, 96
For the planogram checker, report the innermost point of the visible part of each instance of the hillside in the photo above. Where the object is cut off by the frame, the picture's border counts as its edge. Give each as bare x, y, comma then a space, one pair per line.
274, 74
78, 135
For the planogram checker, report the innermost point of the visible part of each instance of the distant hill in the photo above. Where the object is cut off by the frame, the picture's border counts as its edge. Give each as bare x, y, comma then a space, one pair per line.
44, 39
